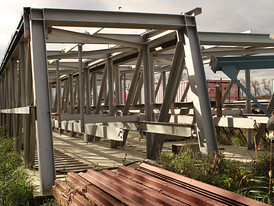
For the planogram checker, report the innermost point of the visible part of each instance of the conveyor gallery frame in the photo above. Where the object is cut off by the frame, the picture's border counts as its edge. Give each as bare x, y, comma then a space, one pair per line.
27, 88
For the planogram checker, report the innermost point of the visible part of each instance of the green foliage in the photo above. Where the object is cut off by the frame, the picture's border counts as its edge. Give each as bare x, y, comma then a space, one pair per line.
239, 138
254, 181
15, 185
213, 169
258, 189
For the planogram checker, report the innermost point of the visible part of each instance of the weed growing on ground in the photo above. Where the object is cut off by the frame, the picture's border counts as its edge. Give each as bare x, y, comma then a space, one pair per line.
251, 180
15, 185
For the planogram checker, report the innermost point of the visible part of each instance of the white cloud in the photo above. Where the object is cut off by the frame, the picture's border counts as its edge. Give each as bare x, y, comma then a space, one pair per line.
225, 15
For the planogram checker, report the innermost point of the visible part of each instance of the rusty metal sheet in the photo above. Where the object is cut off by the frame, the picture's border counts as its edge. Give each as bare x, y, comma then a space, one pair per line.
224, 195
169, 189
126, 191
107, 189
145, 191
93, 194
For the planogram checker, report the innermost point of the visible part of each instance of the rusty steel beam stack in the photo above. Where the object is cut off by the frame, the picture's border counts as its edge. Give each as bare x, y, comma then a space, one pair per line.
145, 185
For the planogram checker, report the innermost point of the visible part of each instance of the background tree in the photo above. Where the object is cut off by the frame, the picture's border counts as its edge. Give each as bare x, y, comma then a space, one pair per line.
266, 86
256, 87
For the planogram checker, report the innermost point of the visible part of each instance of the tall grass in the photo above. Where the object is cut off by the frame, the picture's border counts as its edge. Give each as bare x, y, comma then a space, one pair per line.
252, 180
16, 187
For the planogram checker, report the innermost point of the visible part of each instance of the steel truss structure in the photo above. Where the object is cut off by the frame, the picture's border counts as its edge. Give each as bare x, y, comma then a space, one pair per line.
81, 88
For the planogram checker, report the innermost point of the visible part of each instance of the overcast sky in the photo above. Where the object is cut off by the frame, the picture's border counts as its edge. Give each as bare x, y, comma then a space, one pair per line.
218, 15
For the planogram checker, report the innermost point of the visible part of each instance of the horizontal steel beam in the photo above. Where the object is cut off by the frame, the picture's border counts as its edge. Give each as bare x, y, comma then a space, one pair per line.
84, 18
242, 63
233, 122
87, 54
19, 110
65, 36
181, 130
107, 132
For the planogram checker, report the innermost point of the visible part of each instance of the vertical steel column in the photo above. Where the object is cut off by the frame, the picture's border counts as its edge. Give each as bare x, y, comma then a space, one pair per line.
8, 82
110, 86
164, 83
41, 101
117, 85
148, 103
67, 97
152, 80
248, 108
55, 100
3, 105
1, 102
63, 94
199, 93
27, 100
13, 103
18, 104
71, 97
51, 96
77, 93
106, 94
87, 81
94, 88
124, 86
58, 93
81, 91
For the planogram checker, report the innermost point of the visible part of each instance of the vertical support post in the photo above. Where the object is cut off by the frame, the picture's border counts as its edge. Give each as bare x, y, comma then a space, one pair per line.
147, 88
219, 108
124, 86
1, 103
8, 100
27, 100
51, 96
94, 88
58, 94
66, 95
248, 108
81, 91
41, 101
63, 94
13, 103
110, 86
199, 93
152, 80
87, 81
164, 83
117, 85
77, 93
71, 97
